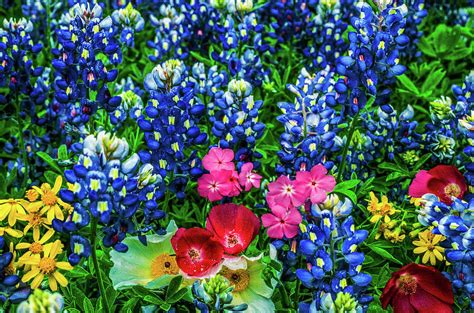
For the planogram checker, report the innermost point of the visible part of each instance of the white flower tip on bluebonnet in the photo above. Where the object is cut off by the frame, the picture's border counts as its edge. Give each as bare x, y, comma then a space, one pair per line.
244, 5
407, 114
240, 88
106, 23
146, 176
131, 164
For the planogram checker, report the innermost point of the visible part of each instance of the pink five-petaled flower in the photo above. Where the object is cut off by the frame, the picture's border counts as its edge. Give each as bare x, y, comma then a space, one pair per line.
444, 181
316, 184
233, 181
215, 185
219, 159
248, 178
284, 192
234, 226
282, 222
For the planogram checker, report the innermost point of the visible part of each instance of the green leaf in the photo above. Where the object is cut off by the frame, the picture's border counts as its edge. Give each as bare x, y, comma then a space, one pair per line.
88, 307
422, 161
62, 152
394, 176
177, 295
111, 295
201, 58
384, 253
348, 193
48, 159
78, 272
153, 299
173, 286
408, 84
434, 78
348, 184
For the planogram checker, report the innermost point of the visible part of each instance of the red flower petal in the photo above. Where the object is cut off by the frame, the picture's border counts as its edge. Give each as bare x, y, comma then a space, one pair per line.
432, 281
419, 185
424, 302
401, 304
196, 250
235, 226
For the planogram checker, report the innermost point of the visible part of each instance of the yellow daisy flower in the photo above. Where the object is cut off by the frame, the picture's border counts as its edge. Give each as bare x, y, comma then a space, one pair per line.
47, 265
427, 245
50, 203
35, 220
380, 210
11, 208
32, 195
36, 247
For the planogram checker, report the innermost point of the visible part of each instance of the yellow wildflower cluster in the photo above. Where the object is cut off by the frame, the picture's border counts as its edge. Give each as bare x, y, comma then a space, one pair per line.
381, 211
26, 225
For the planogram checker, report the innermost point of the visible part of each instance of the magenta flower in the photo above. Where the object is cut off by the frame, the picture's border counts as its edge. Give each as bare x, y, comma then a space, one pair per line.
215, 185
248, 178
218, 159
233, 181
316, 184
282, 222
284, 192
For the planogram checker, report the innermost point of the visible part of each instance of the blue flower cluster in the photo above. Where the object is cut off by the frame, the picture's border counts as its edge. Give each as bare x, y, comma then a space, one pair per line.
465, 99
17, 51
11, 289
456, 223
107, 186
415, 15
311, 122
170, 125
373, 60
180, 25
131, 105
130, 21
81, 76
234, 118
329, 242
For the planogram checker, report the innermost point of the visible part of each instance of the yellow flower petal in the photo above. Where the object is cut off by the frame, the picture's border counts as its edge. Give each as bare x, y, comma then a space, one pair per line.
34, 206
28, 276
38, 190
23, 245
419, 250
57, 184
12, 217
14, 232
47, 236
64, 266
37, 281
426, 257
438, 255
4, 210
60, 278
52, 282
432, 259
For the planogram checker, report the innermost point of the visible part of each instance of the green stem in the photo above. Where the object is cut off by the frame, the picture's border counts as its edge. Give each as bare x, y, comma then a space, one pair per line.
105, 304
346, 147
21, 143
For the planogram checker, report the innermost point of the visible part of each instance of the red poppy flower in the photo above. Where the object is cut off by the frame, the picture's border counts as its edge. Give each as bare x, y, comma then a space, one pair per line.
418, 288
235, 226
444, 181
197, 252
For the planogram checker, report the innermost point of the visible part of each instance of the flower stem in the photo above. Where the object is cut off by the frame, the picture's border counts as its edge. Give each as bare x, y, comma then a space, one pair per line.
346, 147
105, 304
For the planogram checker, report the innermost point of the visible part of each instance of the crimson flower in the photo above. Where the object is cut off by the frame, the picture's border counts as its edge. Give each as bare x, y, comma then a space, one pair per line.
234, 226
418, 288
444, 181
198, 253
